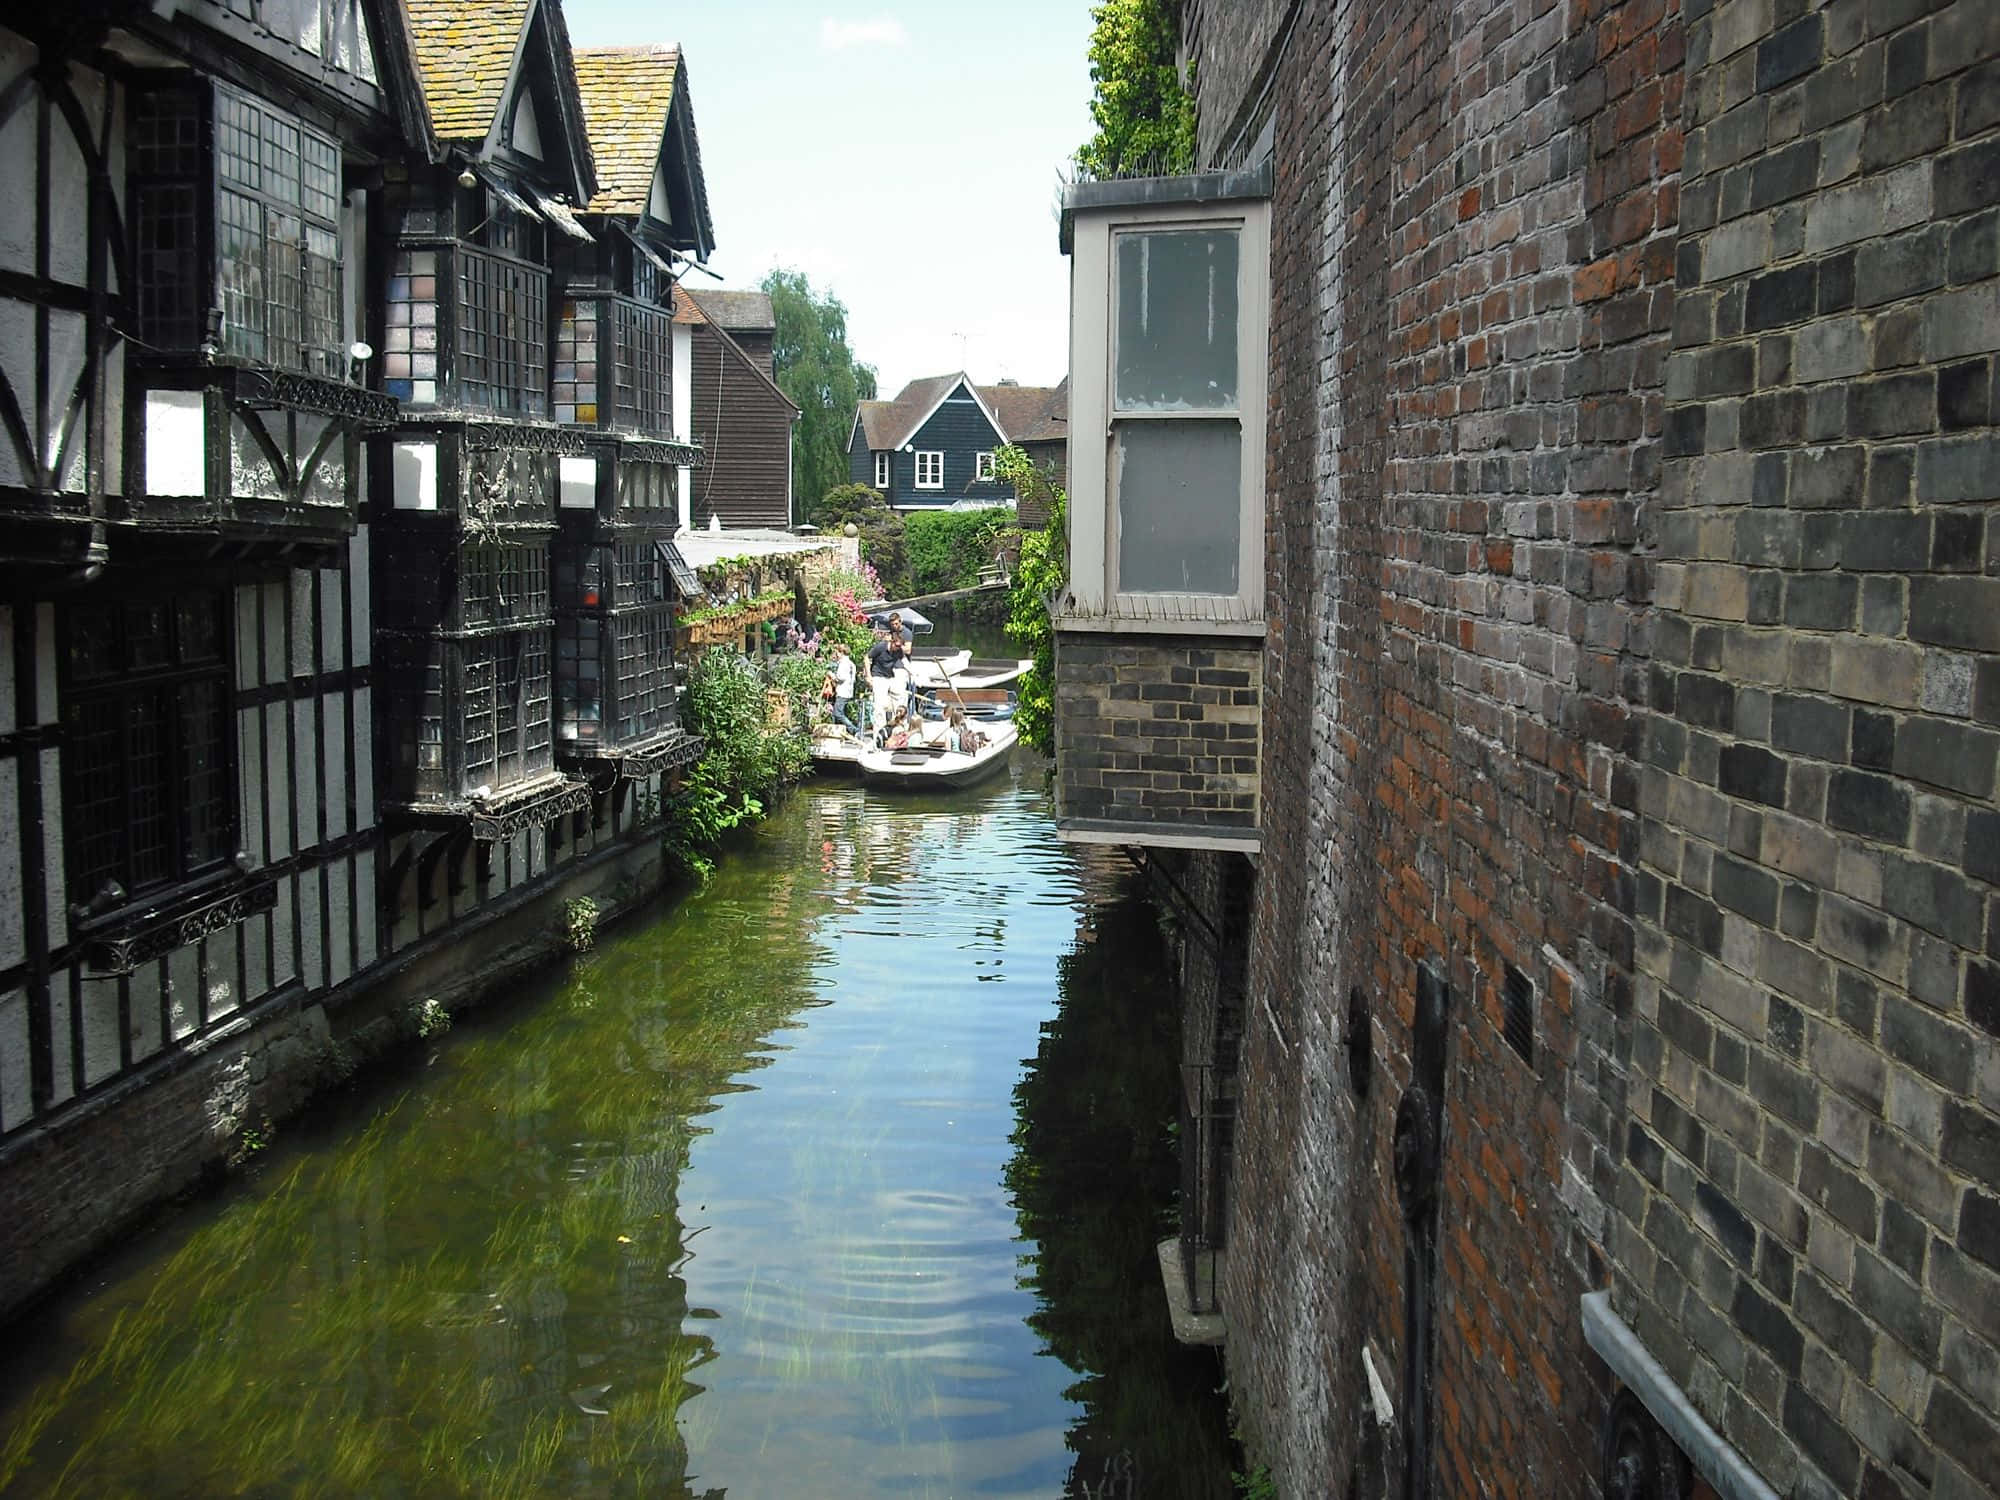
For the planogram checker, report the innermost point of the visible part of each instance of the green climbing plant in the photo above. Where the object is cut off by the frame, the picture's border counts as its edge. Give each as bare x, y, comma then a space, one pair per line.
1039, 579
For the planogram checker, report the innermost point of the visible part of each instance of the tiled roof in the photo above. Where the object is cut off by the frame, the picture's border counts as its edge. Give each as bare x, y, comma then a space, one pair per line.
626, 94
739, 312
1029, 413
465, 51
889, 424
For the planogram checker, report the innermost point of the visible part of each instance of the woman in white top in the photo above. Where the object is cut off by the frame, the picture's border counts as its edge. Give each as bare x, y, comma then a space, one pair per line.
843, 689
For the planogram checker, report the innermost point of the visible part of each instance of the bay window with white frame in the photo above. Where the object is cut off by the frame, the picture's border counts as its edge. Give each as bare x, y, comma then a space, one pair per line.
1169, 306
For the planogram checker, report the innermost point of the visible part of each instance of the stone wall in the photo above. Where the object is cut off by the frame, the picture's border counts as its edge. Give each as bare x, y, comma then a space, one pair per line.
1809, 1223
1631, 555
1157, 730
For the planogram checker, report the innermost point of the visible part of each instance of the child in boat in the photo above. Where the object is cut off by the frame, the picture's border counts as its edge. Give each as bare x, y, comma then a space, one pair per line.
896, 735
957, 736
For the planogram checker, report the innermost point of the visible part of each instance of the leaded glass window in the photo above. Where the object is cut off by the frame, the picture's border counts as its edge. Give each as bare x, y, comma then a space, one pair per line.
148, 786
502, 334
505, 690
278, 238
410, 333
576, 363
643, 368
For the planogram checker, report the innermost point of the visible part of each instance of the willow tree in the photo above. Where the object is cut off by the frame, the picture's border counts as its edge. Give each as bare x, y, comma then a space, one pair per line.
1144, 117
816, 369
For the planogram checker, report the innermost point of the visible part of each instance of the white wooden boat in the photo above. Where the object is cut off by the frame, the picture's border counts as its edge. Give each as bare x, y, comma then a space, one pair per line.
834, 753
931, 768
932, 666
990, 672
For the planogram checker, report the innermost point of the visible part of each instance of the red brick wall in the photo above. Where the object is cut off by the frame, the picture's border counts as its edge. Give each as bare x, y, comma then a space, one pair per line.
1472, 285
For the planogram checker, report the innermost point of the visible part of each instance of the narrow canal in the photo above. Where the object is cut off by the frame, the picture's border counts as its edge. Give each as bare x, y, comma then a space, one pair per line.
839, 1177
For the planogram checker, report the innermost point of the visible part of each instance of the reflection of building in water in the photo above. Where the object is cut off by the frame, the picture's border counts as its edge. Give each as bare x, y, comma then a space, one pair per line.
1093, 1175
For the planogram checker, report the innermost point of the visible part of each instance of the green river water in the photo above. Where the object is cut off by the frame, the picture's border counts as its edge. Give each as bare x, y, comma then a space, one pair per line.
839, 1177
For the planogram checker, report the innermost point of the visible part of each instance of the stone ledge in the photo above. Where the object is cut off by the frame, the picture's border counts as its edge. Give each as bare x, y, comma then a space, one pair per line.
1190, 1327
1713, 1458
1157, 835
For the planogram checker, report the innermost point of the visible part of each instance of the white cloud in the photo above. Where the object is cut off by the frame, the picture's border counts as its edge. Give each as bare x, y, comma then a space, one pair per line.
885, 31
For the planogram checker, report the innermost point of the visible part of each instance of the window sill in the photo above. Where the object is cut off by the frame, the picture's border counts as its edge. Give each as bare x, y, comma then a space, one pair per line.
121, 941
510, 811
669, 750
1158, 624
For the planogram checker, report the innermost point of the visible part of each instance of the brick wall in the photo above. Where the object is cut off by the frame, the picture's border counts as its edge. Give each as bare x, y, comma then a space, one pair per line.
1157, 730
1635, 628
1809, 1227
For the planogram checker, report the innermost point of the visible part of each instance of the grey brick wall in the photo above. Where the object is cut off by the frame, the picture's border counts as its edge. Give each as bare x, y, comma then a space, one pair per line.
1157, 730
1809, 1217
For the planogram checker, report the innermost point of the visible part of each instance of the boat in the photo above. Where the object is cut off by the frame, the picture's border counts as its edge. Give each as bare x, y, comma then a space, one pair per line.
978, 703
835, 753
934, 768
934, 666
983, 672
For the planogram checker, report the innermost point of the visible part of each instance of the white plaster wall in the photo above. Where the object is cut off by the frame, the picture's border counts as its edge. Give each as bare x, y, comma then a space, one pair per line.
284, 945
334, 781
278, 831
16, 1087
304, 771
52, 847
358, 582
302, 621
17, 160
364, 907
62, 1090
100, 1029
184, 980
332, 633
145, 992
17, 366
223, 955
340, 926
683, 395
250, 780
256, 957
13, 915
312, 933
363, 769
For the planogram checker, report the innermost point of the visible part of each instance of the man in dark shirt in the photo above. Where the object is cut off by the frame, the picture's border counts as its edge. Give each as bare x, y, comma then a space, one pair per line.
884, 657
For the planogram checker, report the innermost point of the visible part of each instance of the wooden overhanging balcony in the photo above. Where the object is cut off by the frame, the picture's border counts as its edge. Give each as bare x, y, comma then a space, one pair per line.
239, 460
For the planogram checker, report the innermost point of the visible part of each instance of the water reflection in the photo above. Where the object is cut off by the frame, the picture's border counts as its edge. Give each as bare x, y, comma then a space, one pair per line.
719, 1210
1093, 1175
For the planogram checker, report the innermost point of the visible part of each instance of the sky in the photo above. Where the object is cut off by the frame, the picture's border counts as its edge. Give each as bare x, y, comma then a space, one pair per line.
905, 157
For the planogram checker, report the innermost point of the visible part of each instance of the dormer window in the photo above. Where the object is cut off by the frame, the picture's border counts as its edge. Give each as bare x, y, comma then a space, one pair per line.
1167, 362
265, 202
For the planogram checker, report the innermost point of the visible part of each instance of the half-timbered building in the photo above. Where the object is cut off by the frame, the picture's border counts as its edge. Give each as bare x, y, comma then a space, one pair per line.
616, 571
334, 605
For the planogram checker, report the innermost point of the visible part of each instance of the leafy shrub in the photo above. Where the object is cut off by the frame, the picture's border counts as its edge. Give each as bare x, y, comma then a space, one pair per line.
842, 504
947, 548
745, 760
879, 528
580, 924
1039, 577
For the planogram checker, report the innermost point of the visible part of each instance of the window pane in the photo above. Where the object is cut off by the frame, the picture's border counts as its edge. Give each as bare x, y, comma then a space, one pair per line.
204, 771
1178, 486
1176, 335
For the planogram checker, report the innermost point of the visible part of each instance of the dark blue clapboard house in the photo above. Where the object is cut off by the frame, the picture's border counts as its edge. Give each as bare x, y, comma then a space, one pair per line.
933, 444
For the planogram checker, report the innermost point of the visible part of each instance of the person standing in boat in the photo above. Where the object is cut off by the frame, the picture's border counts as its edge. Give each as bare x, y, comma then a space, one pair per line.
903, 640
882, 659
842, 677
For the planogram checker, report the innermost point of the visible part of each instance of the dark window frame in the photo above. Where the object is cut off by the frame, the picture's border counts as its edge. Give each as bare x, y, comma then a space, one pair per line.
500, 332
149, 682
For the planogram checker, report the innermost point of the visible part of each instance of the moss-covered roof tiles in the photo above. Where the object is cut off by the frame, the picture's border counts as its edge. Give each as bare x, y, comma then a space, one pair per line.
626, 93
465, 51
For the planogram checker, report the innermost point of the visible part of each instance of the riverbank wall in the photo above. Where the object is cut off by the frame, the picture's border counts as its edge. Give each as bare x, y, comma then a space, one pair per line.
76, 1186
